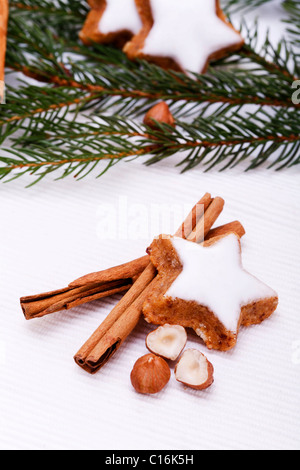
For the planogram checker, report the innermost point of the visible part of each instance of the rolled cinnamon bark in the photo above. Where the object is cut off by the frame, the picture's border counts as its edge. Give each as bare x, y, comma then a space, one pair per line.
85, 289
3, 33
64, 299
124, 271
194, 216
235, 227
204, 225
111, 333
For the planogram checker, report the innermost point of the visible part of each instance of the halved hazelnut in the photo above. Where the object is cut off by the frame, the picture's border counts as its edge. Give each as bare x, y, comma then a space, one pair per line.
161, 113
150, 374
167, 341
194, 370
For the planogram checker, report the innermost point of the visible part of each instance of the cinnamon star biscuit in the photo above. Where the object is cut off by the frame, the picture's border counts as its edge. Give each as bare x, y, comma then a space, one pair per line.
183, 35
111, 22
205, 287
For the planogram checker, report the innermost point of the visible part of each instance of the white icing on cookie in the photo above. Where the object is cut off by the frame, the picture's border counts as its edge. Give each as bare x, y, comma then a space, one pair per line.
214, 277
189, 32
120, 15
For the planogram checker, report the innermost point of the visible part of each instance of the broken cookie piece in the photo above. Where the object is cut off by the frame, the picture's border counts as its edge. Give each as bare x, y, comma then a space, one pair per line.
204, 287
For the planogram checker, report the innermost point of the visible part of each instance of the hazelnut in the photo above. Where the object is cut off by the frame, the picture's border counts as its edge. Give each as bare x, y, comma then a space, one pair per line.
167, 341
150, 374
161, 113
194, 370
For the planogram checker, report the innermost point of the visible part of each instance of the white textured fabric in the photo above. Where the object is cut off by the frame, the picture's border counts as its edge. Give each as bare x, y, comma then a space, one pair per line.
50, 235
57, 231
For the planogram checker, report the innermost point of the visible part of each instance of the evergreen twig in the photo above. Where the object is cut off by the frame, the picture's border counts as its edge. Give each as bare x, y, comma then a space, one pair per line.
214, 124
292, 9
236, 6
77, 148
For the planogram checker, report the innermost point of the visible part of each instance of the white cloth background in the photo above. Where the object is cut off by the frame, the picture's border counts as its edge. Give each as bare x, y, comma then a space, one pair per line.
53, 233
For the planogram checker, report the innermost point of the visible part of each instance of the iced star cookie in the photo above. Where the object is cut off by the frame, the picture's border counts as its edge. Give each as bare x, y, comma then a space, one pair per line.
111, 22
183, 35
205, 287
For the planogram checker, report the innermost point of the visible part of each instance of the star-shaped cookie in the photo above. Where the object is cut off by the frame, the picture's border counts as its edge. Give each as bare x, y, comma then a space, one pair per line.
111, 22
205, 287
183, 34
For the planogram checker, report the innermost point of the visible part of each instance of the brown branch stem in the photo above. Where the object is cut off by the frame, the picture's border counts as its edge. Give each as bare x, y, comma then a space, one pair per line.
95, 90
147, 150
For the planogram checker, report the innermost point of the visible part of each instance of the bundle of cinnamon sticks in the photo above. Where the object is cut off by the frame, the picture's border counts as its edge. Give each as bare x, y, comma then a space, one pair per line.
136, 278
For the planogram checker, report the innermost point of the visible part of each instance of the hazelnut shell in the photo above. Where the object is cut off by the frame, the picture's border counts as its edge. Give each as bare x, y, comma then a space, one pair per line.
150, 374
161, 113
189, 357
167, 341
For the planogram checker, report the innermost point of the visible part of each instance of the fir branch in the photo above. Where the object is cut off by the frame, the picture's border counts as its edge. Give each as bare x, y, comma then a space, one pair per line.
110, 84
258, 136
280, 60
50, 101
237, 6
28, 104
77, 8
67, 16
292, 7
152, 83
99, 80
40, 162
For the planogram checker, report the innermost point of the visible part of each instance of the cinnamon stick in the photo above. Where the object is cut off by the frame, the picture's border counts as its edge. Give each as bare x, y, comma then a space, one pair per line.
204, 225
235, 227
85, 289
69, 298
3, 33
194, 216
124, 271
106, 340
